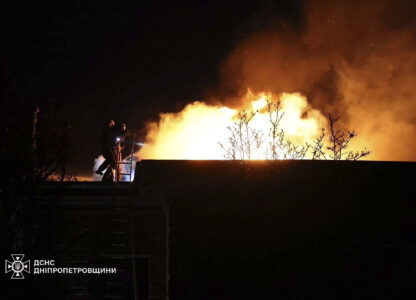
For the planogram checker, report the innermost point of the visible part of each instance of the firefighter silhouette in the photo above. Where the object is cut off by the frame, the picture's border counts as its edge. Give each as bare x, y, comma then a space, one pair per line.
111, 140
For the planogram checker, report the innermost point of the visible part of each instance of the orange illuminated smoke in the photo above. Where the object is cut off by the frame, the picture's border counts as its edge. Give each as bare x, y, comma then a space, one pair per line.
195, 132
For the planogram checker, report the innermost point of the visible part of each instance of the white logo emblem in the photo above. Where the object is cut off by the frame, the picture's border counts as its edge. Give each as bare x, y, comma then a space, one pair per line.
17, 266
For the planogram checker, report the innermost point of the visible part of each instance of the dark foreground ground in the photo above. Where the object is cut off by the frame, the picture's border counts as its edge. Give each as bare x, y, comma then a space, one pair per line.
224, 230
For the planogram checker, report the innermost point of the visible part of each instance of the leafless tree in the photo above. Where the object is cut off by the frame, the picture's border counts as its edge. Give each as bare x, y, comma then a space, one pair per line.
244, 139
319, 146
230, 150
339, 141
51, 146
276, 134
293, 151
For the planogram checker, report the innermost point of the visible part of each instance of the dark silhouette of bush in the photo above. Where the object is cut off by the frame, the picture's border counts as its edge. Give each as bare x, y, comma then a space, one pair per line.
244, 140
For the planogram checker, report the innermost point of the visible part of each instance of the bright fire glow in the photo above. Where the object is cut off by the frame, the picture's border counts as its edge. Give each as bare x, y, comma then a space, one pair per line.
194, 133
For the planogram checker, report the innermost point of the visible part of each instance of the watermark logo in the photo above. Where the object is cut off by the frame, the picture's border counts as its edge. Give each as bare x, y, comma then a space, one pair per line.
47, 266
17, 266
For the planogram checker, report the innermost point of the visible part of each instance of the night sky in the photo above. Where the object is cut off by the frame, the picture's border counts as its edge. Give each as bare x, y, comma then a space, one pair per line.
127, 60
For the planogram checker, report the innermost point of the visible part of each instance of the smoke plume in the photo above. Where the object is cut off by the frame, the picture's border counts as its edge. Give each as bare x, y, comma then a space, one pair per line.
354, 59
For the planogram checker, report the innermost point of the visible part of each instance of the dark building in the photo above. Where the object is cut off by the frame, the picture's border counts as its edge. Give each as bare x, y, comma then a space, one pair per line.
227, 230
89, 225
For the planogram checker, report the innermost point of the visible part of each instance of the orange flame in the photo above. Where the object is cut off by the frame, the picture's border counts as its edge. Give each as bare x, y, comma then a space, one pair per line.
194, 133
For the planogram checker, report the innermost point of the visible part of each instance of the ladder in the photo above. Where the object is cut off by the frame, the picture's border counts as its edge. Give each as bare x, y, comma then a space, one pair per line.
120, 162
122, 253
